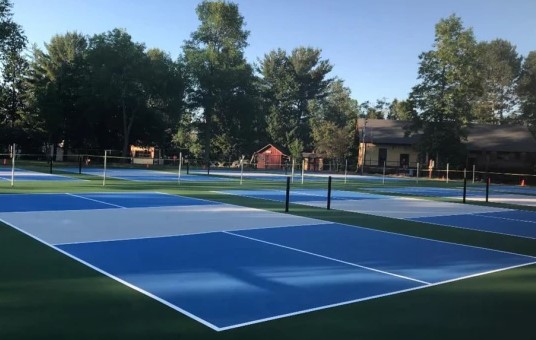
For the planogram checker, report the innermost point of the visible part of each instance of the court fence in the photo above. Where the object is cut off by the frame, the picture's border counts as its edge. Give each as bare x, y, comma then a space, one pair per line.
46, 164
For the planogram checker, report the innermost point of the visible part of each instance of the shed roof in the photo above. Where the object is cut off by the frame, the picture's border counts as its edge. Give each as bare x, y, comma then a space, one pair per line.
268, 146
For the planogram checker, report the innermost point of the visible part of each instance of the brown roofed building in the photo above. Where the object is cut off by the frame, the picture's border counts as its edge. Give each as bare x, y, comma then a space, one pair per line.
490, 147
270, 157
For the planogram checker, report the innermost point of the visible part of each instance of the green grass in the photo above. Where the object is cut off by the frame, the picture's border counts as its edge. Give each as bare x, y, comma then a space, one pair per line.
47, 295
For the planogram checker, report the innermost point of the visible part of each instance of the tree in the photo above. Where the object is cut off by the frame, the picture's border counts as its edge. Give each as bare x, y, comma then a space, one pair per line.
289, 83
527, 90
221, 80
58, 82
499, 66
166, 87
400, 110
120, 70
333, 123
449, 86
13, 113
378, 111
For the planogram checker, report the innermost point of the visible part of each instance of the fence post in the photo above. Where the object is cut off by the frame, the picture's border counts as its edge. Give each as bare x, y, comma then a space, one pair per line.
464, 188
488, 180
287, 195
13, 156
329, 192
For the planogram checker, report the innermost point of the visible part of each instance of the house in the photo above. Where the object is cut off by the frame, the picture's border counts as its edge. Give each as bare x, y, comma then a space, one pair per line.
270, 157
312, 161
501, 148
384, 142
489, 147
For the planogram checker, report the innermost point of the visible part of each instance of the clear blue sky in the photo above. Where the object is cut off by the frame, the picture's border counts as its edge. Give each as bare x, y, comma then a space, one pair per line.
373, 44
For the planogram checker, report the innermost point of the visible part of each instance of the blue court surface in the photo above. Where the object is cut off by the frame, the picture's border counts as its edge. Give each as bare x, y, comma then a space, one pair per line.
488, 219
472, 192
90, 201
513, 222
145, 175
431, 192
303, 195
275, 265
26, 175
307, 176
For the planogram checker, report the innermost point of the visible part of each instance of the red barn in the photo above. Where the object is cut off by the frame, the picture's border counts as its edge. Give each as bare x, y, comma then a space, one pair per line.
270, 157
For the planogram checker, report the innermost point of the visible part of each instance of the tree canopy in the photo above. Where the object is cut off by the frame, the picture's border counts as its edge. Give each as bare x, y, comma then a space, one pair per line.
108, 91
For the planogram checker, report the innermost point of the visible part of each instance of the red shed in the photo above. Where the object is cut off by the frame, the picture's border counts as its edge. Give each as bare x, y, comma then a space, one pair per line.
270, 157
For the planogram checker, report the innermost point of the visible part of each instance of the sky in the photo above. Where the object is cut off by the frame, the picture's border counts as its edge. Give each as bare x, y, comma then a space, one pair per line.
373, 45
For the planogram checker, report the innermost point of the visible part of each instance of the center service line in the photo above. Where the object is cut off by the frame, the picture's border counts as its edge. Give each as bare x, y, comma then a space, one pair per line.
328, 258
94, 200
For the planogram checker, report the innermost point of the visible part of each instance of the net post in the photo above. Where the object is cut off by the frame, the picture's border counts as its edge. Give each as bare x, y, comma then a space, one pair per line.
79, 164
287, 195
13, 156
345, 169
464, 188
473, 173
187, 167
302, 170
488, 180
383, 177
417, 175
329, 193
292, 172
104, 168
447, 172
208, 168
50, 164
180, 166
242, 169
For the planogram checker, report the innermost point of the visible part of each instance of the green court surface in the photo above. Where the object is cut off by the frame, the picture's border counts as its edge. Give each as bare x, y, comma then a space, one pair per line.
47, 295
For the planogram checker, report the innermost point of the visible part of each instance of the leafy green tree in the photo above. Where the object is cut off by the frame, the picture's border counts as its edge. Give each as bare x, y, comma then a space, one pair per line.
499, 65
14, 117
221, 80
376, 111
400, 110
527, 90
166, 88
289, 83
58, 82
449, 86
119, 71
333, 123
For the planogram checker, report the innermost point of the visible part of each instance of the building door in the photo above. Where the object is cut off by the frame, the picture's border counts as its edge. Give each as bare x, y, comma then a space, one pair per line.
382, 156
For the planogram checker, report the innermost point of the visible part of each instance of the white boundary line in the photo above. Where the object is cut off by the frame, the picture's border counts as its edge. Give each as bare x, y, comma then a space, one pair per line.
504, 218
192, 234
328, 258
204, 322
412, 236
94, 200
466, 228
373, 297
208, 324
